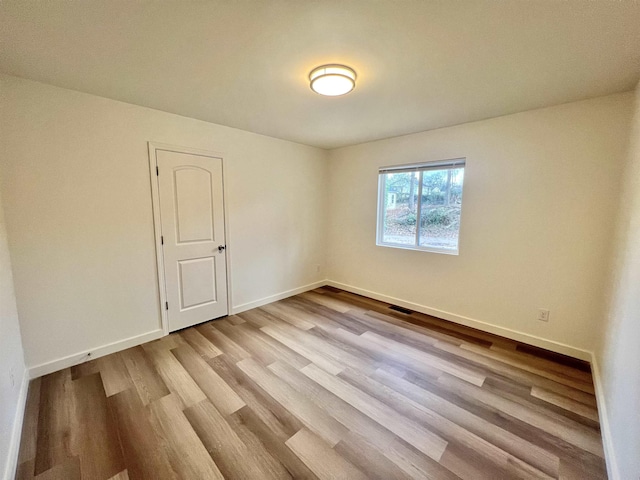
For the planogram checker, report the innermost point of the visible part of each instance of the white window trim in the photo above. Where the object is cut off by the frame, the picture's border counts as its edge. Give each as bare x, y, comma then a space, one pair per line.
415, 167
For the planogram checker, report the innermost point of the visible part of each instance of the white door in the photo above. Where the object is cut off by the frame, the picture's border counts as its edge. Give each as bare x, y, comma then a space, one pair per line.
193, 237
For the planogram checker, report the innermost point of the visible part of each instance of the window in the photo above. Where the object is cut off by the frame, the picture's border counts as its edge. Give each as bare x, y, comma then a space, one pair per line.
419, 206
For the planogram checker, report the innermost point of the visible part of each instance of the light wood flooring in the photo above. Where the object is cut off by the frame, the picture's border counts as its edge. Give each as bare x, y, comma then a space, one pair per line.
325, 385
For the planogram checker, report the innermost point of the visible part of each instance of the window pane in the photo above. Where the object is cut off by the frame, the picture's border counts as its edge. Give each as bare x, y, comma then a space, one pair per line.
440, 209
400, 208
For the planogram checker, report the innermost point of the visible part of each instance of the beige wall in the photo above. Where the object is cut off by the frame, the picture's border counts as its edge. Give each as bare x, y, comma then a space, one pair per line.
618, 355
540, 196
78, 209
11, 362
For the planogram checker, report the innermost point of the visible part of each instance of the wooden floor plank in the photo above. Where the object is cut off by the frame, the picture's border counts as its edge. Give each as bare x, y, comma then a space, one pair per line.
277, 418
415, 355
407, 458
145, 378
521, 394
447, 429
114, 374
257, 318
295, 343
258, 351
232, 456
173, 340
294, 317
29, 435
325, 384
186, 453
467, 464
200, 343
278, 350
85, 368
451, 329
215, 388
222, 342
513, 372
313, 417
143, 452
256, 444
544, 364
436, 330
322, 316
53, 445
369, 459
261, 346
566, 430
425, 441
68, 470
97, 442
175, 377
123, 475
519, 447
565, 402
386, 356
235, 320
329, 302
321, 458
581, 383
396, 331
543, 439
25, 470
571, 470
343, 353
247, 424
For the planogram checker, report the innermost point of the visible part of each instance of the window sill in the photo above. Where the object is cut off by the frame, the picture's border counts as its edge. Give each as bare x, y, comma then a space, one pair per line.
445, 251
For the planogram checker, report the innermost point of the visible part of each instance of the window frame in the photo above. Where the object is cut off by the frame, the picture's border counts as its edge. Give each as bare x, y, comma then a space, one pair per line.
421, 167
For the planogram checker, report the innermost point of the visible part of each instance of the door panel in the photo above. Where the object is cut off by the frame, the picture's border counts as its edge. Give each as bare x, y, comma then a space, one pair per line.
194, 205
192, 224
197, 282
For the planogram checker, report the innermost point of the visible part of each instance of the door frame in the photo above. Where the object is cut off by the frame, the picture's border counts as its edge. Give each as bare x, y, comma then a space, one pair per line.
154, 147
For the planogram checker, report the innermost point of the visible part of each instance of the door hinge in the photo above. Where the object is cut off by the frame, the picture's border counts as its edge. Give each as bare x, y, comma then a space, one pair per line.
157, 171
166, 305
161, 240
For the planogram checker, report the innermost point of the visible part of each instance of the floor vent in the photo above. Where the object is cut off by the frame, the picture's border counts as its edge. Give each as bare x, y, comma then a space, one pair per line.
401, 309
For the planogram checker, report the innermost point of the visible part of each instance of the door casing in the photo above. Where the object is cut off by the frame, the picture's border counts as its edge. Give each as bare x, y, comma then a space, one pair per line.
157, 226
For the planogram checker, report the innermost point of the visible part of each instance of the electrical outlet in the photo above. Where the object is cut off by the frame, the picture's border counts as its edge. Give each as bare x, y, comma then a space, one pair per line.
318, 268
12, 378
543, 315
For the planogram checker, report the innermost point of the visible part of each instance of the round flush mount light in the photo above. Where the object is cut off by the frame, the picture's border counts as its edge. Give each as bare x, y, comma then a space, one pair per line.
332, 80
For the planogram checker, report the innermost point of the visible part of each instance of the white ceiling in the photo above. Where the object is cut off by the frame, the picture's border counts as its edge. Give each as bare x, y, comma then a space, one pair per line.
244, 63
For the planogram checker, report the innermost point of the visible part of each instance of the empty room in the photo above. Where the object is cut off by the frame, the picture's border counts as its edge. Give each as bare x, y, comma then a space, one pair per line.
319, 239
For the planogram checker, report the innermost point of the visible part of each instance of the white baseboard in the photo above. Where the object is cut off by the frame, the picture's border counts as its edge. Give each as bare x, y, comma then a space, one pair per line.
605, 426
274, 298
75, 359
16, 431
471, 322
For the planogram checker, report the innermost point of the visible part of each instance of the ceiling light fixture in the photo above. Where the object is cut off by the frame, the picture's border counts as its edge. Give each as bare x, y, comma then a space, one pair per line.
332, 80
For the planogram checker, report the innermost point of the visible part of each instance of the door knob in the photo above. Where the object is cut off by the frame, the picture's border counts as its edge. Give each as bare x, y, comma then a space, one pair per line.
221, 248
